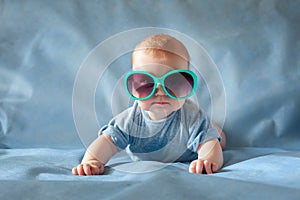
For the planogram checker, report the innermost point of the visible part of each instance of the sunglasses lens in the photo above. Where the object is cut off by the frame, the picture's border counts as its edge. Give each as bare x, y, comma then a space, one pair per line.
179, 85
140, 85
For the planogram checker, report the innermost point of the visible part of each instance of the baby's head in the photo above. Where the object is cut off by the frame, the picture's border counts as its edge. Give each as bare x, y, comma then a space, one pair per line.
161, 49
158, 56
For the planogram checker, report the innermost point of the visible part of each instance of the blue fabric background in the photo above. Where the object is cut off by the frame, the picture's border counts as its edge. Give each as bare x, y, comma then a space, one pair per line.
255, 45
43, 44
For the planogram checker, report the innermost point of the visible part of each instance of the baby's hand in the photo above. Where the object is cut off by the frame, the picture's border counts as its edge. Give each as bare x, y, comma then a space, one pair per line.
93, 167
198, 166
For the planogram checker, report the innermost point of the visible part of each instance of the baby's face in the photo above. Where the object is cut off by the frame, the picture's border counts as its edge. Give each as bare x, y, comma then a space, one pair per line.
160, 105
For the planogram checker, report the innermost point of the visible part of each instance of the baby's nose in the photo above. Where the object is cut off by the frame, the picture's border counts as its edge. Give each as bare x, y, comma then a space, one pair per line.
159, 91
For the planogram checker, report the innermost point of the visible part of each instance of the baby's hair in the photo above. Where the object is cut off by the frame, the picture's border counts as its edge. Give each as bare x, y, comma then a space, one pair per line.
162, 44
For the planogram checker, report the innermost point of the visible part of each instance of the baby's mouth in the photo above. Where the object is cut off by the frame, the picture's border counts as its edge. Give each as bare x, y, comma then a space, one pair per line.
161, 103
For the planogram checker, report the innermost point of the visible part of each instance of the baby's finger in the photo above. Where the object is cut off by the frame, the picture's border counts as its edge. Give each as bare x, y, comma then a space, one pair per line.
74, 171
199, 167
192, 168
207, 166
87, 169
214, 167
80, 171
97, 170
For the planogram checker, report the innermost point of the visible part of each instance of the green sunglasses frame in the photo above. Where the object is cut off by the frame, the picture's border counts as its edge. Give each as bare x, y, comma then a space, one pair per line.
161, 81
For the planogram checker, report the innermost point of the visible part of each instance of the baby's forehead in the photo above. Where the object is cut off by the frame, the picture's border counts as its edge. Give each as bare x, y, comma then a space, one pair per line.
158, 62
156, 69
159, 52
159, 56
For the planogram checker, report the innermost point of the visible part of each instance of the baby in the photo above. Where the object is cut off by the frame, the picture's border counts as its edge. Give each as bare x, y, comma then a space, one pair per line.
163, 124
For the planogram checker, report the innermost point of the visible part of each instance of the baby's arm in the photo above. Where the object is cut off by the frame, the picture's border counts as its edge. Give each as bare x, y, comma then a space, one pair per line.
221, 132
97, 154
210, 158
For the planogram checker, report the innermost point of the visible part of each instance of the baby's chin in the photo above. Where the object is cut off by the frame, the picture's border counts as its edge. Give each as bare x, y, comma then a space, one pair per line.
159, 112
156, 113
161, 109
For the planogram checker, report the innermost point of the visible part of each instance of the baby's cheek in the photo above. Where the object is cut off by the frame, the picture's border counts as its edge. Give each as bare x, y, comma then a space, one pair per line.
144, 105
177, 104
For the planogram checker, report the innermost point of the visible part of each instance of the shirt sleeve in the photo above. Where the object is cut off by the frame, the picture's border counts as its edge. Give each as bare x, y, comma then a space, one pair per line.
118, 129
201, 130
119, 137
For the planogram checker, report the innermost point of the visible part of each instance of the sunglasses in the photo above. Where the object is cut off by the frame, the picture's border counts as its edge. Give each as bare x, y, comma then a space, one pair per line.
177, 84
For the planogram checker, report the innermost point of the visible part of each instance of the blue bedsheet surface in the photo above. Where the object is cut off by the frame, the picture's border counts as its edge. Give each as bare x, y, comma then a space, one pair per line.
248, 173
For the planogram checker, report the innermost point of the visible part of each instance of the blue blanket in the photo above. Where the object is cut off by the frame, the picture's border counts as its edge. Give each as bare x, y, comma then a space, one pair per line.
248, 173
61, 69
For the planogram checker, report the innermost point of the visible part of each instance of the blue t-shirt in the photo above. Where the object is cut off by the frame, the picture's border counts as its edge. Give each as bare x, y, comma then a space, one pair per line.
175, 138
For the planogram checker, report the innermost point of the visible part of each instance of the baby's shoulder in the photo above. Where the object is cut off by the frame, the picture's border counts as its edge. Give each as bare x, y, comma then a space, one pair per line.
191, 107
128, 114
192, 112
